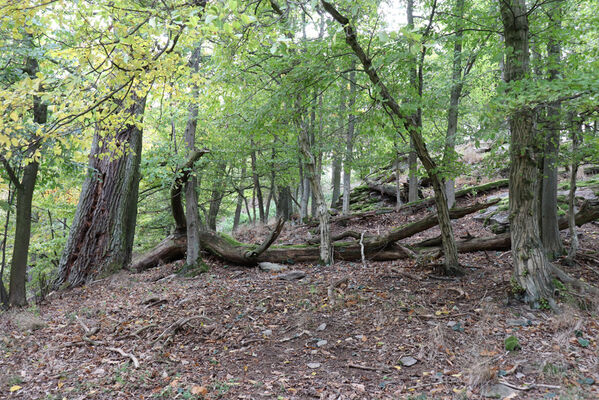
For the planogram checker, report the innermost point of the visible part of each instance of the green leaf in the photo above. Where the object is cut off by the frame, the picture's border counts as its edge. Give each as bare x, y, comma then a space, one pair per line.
583, 342
512, 343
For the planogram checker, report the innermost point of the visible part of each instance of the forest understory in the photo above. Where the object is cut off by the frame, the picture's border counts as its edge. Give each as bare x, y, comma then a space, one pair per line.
382, 330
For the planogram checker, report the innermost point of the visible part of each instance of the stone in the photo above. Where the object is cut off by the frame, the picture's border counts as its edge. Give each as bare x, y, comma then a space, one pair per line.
498, 391
272, 267
267, 332
314, 365
321, 343
292, 275
321, 327
408, 361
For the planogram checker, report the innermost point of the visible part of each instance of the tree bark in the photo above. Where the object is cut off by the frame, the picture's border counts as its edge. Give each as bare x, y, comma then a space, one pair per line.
412, 156
24, 193
410, 124
101, 236
575, 134
532, 270
191, 196
349, 139
256, 179
454, 102
240, 199
326, 250
549, 230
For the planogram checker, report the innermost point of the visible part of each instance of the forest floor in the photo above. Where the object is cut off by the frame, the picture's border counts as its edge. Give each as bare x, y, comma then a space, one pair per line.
388, 330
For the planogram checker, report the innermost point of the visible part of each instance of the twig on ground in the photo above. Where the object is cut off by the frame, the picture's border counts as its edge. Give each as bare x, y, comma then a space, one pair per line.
129, 355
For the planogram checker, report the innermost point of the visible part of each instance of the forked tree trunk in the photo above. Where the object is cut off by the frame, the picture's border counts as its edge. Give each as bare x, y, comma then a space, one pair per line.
532, 270
101, 236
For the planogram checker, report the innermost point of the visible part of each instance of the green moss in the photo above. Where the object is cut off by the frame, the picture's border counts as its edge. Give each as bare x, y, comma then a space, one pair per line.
229, 239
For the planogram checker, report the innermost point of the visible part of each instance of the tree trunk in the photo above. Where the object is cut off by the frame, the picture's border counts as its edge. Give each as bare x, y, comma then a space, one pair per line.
454, 102
24, 193
191, 196
532, 270
337, 154
284, 206
9, 202
256, 179
101, 236
305, 190
240, 199
349, 139
576, 134
411, 125
326, 249
216, 198
412, 156
549, 230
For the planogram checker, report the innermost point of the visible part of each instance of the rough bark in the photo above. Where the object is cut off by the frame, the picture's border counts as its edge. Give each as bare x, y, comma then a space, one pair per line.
532, 270
101, 236
240, 200
284, 206
9, 201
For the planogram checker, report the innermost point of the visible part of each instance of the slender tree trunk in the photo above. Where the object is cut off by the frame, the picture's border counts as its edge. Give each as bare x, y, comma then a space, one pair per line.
24, 193
454, 102
326, 248
575, 132
256, 179
549, 225
411, 125
240, 199
349, 139
191, 196
101, 236
216, 198
9, 201
412, 156
531, 268
305, 191
337, 154
273, 176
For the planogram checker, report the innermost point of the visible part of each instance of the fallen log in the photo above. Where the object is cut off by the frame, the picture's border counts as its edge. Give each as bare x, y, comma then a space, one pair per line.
589, 211
484, 188
380, 248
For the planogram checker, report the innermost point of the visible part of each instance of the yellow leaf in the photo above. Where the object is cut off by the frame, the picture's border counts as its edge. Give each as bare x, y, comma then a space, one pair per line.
201, 390
15, 388
14, 116
397, 367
